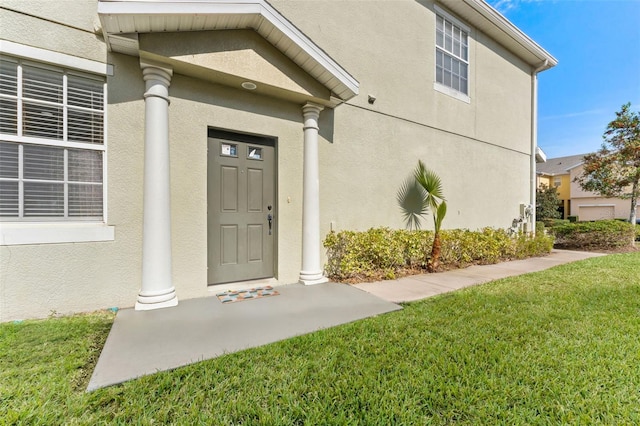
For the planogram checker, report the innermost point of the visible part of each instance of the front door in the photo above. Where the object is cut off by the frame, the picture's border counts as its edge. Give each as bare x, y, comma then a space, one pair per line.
241, 209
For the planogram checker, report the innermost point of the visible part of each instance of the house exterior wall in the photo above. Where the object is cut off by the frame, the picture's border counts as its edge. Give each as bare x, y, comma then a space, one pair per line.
366, 150
592, 201
564, 193
38, 280
411, 121
544, 180
563, 190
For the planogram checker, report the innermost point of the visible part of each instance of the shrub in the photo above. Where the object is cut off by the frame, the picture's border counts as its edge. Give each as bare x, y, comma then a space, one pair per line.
382, 253
550, 223
598, 235
377, 253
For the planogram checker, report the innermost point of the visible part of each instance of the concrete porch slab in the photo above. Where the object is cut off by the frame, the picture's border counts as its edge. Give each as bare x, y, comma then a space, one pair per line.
145, 342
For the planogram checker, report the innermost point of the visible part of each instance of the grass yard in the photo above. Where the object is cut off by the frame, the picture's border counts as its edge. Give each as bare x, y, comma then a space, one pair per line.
560, 346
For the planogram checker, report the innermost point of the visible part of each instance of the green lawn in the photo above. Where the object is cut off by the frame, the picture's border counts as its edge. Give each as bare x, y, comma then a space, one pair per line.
555, 347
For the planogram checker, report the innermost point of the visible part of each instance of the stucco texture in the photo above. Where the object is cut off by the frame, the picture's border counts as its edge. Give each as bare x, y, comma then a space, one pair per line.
481, 149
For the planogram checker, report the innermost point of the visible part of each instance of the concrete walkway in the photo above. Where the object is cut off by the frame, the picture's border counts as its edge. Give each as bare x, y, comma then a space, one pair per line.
145, 342
418, 287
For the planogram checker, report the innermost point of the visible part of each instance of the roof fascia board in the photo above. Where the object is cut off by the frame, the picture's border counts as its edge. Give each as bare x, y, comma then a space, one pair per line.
308, 46
236, 7
512, 31
173, 7
480, 8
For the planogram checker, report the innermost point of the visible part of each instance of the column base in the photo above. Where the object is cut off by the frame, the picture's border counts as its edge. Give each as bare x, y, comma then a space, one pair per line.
312, 278
165, 299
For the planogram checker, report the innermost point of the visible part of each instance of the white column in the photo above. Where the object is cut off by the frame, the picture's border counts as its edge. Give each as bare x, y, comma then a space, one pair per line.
157, 288
311, 272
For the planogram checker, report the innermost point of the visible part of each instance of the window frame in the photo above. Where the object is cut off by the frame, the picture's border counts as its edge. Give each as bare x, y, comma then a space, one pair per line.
21, 230
441, 87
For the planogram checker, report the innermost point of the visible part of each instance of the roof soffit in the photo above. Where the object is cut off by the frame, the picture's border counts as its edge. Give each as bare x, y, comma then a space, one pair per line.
122, 20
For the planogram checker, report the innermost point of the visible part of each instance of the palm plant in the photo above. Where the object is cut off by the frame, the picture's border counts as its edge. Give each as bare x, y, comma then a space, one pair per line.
419, 194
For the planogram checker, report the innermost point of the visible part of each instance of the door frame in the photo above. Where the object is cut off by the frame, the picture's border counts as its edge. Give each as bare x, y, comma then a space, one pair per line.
254, 139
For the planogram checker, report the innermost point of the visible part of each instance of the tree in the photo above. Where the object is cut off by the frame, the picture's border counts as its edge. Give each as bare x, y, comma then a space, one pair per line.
418, 194
614, 170
547, 202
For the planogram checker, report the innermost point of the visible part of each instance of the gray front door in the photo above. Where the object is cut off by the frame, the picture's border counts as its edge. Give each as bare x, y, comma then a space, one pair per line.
241, 210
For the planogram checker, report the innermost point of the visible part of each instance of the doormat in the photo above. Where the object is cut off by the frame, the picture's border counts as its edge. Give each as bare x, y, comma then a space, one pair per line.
240, 295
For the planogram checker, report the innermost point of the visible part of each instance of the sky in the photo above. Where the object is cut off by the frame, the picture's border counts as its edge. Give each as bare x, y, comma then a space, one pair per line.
597, 45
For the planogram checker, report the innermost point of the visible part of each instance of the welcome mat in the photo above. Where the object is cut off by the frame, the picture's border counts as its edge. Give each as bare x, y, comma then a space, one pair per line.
240, 295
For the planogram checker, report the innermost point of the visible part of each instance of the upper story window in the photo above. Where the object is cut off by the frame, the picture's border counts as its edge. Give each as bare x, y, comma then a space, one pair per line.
452, 54
557, 181
51, 142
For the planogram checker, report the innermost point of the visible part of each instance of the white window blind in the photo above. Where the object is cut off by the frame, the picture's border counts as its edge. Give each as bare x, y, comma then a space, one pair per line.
452, 55
51, 143
8, 97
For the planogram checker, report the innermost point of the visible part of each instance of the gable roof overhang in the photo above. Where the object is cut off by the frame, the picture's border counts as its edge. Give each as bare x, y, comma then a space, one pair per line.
123, 20
488, 20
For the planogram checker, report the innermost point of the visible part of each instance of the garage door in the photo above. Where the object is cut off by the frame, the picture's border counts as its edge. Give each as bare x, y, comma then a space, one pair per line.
596, 212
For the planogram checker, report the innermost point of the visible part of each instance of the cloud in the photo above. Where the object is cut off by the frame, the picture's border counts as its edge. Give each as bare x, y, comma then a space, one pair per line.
574, 114
504, 6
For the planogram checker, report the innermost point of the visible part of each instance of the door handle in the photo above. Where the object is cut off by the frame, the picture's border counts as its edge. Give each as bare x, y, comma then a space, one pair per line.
270, 219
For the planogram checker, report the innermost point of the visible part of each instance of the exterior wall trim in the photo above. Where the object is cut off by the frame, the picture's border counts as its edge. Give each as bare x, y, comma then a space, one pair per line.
25, 233
55, 58
12, 234
119, 16
451, 92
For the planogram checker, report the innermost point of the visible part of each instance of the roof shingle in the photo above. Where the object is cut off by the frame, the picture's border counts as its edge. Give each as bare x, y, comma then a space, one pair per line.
559, 165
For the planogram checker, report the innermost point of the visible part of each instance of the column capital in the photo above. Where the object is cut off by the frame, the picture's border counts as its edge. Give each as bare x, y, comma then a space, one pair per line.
311, 113
152, 70
157, 78
311, 108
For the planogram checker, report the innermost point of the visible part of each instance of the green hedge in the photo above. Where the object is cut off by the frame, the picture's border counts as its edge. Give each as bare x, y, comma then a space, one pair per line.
552, 223
383, 253
598, 235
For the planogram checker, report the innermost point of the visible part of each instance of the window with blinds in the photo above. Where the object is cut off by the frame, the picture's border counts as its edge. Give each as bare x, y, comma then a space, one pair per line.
51, 143
452, 54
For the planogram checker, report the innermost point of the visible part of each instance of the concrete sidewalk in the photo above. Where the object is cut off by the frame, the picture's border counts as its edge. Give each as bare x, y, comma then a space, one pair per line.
145, 342
418, 287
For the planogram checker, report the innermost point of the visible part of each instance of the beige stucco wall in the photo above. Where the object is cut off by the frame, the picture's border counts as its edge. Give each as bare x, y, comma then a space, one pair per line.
38, 280
67, 26
580, 197
480, 149
390, 50
620, 207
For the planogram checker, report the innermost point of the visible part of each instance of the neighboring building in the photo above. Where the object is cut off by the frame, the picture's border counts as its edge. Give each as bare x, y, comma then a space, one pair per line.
561, 172
160, 150
555, 173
